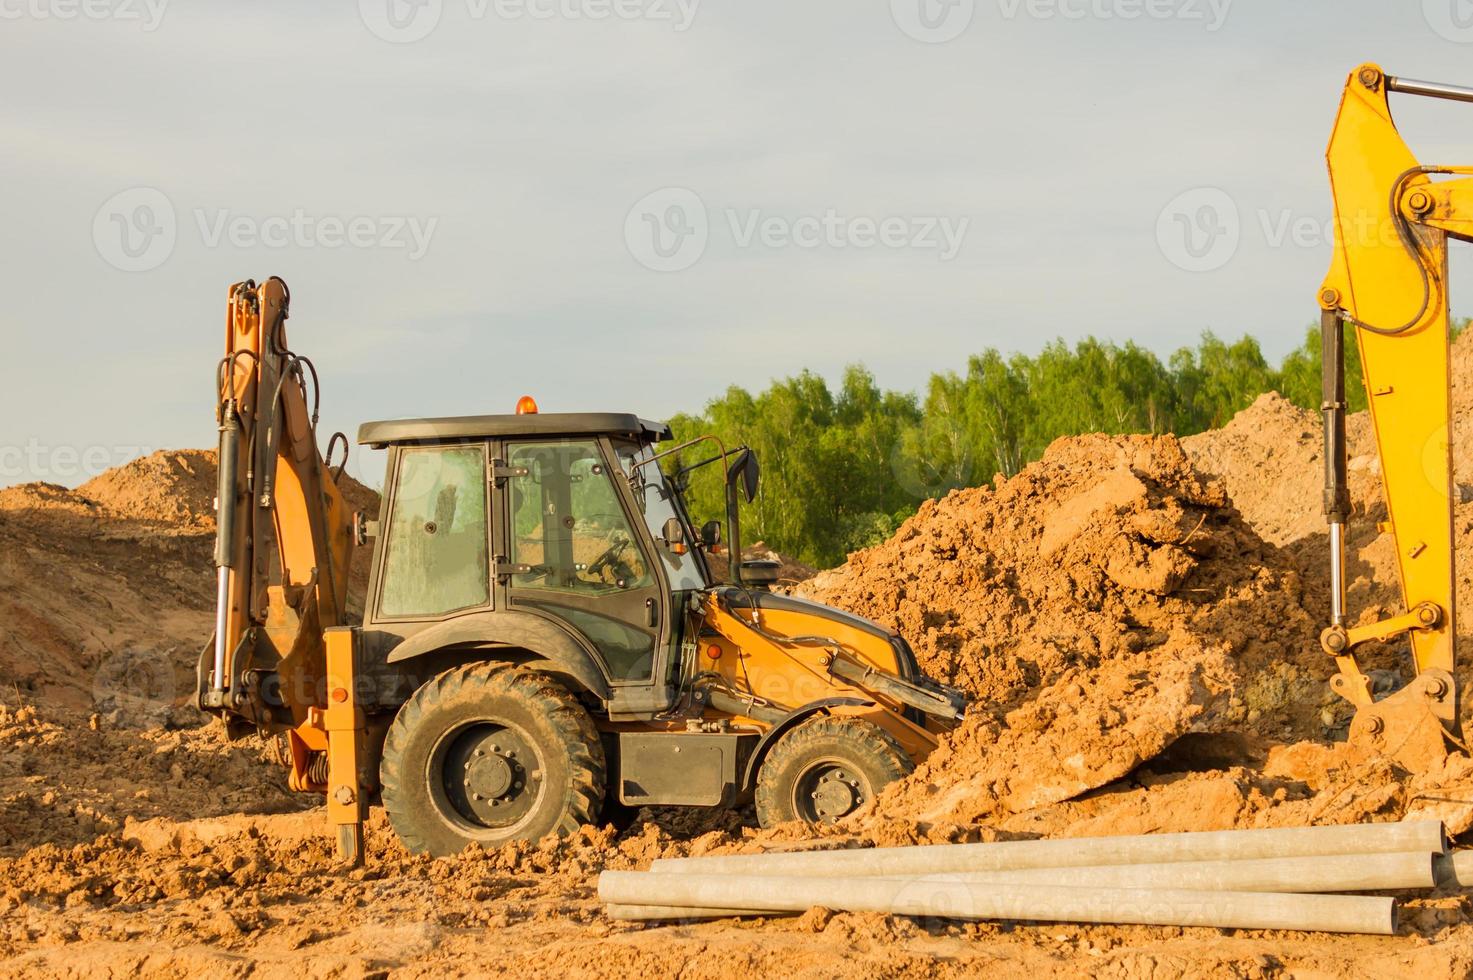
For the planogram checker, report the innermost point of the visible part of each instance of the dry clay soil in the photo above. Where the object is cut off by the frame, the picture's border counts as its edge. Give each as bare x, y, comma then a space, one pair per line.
1134, 618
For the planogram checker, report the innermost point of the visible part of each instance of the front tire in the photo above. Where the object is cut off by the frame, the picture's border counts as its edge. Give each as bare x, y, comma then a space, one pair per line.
827, 768
486, 754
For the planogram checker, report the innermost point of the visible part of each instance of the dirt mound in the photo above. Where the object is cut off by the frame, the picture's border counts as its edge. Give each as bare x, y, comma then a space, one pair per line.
1270, 458
1095, 607
106, 591
170, 486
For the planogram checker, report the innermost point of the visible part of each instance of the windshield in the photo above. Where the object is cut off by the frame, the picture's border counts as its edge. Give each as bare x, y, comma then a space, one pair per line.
657, 502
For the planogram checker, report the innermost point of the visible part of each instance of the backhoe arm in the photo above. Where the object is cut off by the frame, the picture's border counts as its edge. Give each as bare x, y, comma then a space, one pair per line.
1388, 280
283, 537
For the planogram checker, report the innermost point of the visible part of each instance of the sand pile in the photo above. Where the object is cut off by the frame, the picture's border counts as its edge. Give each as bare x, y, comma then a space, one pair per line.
1270, 458
168, 487
106, 591
1095, 607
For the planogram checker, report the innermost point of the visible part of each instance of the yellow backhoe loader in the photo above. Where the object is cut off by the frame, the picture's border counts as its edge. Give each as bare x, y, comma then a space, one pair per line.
543, 642
1388, 280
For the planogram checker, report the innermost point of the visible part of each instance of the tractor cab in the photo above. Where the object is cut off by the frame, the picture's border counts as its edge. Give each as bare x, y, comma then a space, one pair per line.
523, 526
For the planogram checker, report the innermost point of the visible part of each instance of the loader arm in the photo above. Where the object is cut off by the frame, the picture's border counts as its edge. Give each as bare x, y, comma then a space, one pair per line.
277, 662
1388, 279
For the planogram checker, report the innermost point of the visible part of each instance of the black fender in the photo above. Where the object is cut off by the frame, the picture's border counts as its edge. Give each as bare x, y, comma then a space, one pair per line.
545, 640
789, 722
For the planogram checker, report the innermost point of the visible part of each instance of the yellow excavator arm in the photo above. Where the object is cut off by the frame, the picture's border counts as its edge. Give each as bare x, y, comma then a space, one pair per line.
280, 661
1388, 280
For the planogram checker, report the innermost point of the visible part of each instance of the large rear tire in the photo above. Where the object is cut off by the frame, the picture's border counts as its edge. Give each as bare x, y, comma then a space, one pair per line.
827, 768
489, 753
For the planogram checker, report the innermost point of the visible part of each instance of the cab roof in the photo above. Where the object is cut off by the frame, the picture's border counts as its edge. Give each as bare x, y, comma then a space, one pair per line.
395, 431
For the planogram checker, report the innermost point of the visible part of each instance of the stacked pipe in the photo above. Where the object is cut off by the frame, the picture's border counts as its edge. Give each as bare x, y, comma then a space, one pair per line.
1280, 878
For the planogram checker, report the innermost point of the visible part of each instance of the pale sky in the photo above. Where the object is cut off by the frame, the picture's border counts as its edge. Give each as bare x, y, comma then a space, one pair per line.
630, 204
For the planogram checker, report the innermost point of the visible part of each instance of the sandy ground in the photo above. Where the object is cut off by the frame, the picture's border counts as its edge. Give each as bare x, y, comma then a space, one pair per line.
1108, 610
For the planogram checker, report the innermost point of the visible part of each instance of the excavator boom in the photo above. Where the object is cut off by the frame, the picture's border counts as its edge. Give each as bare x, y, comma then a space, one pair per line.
1388, 281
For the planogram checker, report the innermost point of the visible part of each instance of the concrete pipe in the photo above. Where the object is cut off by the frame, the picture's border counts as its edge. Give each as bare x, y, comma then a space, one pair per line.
1327, 873
1019, 903
1455, 870
1335, 873
1425, 836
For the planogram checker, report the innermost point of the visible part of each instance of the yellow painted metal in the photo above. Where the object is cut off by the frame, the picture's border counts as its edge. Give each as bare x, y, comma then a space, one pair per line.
344, 722
1377, 280
763, 660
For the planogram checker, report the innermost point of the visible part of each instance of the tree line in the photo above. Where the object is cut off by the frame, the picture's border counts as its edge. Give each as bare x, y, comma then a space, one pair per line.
842, 468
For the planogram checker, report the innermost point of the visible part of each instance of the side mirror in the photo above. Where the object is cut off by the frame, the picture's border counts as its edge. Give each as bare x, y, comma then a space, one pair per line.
711, 534
746, 469
673, 533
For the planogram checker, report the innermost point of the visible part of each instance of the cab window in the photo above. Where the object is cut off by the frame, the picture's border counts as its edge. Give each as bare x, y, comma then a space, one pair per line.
436, 553
568, 524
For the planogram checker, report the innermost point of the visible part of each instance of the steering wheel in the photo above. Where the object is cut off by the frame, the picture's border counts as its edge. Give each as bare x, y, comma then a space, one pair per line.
610, 559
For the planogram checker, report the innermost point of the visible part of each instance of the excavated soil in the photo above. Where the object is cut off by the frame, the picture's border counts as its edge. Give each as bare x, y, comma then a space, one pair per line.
1095, 608
1135, 619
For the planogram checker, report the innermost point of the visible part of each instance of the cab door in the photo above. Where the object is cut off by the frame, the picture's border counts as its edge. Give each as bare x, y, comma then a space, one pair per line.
574, 554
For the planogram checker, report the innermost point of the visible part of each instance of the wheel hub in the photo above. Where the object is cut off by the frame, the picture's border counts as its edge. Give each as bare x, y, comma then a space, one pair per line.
833, 796
829, 791
491, 777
